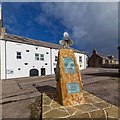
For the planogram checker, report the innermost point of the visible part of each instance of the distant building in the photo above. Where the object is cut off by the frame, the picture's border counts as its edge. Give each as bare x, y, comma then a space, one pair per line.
101, 60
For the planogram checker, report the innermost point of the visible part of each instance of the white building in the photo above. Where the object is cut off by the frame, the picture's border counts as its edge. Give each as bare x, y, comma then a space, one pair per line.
24, 57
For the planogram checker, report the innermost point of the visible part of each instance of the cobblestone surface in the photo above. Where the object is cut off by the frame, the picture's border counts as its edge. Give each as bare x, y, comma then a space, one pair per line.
97, 109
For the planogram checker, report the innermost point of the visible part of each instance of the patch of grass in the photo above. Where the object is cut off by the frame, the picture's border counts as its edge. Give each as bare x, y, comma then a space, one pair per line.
35, 109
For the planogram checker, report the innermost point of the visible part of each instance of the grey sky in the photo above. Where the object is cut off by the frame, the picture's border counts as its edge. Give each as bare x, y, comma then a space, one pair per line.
92, 25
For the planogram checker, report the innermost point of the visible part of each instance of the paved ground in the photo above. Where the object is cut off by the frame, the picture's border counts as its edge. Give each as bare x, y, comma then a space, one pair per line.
17, 94
93, 107
103, 83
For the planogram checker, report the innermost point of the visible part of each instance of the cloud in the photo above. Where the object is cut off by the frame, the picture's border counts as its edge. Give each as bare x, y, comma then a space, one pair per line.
60, 1
91, 25
78, 32
42, 20
12, 19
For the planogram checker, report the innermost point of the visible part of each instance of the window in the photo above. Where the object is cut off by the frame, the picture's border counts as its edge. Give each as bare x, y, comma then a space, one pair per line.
27, 50
26, 63
80, 58
18, 55
55, 64
42, 57
55, 70
9, 71
36, 56
106, 61
56, 58
36, 48
45, 63
47, 52
18, 68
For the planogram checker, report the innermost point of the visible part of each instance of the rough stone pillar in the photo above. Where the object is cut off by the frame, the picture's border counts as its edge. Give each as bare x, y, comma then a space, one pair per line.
69, 82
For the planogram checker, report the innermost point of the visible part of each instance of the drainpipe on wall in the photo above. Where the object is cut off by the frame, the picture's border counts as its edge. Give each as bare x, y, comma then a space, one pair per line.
51, 59
5, 61
84, 61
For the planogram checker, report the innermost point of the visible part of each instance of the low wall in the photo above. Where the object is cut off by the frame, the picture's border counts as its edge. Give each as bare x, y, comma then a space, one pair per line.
110, 66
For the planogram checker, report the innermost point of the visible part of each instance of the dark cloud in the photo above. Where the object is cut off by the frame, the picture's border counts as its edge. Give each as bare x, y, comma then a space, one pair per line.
92, 25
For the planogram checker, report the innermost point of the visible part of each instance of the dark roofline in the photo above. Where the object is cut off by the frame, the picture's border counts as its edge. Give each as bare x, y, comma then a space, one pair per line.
25, 40
104, 56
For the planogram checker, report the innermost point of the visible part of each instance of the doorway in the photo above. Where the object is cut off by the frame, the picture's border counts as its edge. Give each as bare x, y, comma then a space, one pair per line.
42, 71
34, 72
54, 70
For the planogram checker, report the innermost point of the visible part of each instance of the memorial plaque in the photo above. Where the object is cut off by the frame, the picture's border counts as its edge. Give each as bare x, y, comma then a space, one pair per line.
73, 88
69, 65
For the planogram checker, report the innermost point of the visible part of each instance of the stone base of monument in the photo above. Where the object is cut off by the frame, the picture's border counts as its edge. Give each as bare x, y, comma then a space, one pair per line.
93, 107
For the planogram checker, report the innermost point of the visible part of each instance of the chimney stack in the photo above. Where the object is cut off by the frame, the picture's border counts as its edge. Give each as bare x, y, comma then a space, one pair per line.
94, 51
3, 31
2, 28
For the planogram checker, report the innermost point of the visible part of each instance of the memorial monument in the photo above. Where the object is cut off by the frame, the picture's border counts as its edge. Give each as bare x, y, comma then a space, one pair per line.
69, 82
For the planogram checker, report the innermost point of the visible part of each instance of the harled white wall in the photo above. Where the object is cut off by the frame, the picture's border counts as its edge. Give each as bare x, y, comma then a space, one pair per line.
13, 64
81, 64
27, 57
2, 44
54, 52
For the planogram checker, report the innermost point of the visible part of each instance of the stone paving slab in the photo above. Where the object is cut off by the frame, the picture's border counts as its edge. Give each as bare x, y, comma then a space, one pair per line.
34, 79
17, 109
10, 87
93, 107
20, 97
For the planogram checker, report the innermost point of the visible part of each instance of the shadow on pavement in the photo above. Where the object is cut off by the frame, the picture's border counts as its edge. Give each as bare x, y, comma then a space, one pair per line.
105, 74
46, 89
49, 91
101, 92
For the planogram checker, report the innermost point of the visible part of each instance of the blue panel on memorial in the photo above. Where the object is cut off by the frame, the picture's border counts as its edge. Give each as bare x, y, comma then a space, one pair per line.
69, 65
73, 88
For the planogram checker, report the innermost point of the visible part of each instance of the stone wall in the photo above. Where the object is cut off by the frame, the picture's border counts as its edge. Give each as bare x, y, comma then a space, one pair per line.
95, 61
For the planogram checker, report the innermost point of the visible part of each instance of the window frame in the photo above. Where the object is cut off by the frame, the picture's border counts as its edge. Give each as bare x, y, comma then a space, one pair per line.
42, 58
18, 56
37, 56
56, 57
80, 59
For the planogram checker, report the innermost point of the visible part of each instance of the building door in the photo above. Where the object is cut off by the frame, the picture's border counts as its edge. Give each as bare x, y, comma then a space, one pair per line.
34, 72
42, 71
54, 70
